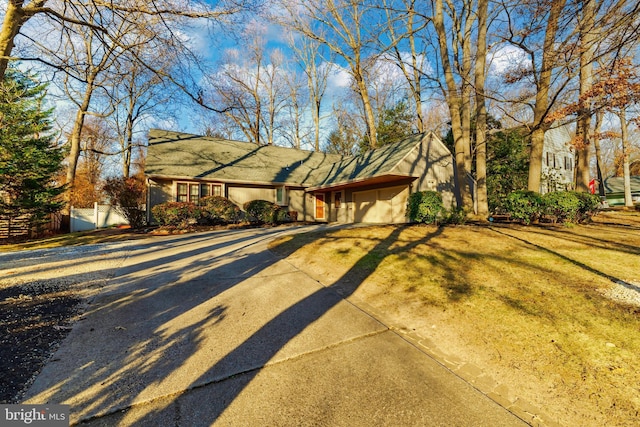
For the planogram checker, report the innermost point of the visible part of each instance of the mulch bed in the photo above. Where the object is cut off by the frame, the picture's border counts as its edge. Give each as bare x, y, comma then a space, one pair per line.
34, 318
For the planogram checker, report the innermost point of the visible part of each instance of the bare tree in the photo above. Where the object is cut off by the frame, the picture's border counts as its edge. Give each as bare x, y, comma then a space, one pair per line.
455, 55
350, 30
65, 12
404, 26
317, 69
136, 95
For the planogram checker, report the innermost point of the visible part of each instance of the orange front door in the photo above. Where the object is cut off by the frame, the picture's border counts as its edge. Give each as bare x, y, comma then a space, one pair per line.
319, 206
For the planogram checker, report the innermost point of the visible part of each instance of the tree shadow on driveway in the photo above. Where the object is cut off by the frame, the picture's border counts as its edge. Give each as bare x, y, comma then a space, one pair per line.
178, 319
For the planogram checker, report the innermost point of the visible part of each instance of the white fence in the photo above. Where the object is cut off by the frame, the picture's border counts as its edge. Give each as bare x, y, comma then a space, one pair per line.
100, 216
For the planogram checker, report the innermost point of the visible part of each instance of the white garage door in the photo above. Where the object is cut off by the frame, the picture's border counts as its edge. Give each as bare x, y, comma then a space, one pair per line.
384, 206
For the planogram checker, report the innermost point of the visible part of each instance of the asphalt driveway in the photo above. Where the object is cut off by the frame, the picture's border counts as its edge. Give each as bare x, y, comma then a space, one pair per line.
212, 328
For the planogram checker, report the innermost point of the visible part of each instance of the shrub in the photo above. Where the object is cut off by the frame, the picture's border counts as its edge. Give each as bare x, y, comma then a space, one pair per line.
524, 206
562, 206
455, 215
219, 210
176, 214
424, 207
282, 216
262, 211
589, 204
129, 197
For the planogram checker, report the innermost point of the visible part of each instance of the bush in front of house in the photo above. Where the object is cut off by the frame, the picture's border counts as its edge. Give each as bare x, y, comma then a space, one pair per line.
262, 212
523, 205
454, 216
424, 207
129, 197
176, 214
589, 205
219, 210
561, 206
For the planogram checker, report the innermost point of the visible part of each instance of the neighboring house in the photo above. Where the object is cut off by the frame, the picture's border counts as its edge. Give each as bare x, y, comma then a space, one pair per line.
614, 190
372, 187
558, 160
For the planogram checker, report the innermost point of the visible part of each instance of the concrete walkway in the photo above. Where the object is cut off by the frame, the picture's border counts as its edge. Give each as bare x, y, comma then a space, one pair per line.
212, 328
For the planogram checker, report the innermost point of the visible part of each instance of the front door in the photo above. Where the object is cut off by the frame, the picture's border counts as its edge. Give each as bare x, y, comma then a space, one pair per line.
320, 206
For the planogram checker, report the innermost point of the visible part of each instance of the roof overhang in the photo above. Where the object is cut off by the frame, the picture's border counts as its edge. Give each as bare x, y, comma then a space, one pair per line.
376, 180
222, 181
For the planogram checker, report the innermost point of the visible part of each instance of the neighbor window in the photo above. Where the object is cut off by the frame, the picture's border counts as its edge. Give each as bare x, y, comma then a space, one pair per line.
568, 163
338, 200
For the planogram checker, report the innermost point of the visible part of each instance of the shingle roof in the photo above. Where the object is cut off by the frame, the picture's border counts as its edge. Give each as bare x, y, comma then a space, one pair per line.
180, 155
186, 156
371, 164
615, 184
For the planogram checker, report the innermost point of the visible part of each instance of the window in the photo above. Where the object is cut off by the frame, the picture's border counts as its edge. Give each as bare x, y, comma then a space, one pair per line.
568, 163
551, 160
182, 195
193, 192
338, 200
281, 196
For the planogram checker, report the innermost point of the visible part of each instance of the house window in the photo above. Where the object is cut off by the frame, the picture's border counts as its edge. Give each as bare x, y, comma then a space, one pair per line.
182, 195
551, 160
568, 163
281, 196
193, 192
338, 200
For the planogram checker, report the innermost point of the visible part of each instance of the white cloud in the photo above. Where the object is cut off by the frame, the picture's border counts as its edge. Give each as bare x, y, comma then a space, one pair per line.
505, 58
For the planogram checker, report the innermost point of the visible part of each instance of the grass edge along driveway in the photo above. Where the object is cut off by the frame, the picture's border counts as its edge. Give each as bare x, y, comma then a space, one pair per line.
528, 304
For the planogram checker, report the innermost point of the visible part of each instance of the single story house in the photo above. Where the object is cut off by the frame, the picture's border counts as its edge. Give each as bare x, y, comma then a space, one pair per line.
614, 190
372, 187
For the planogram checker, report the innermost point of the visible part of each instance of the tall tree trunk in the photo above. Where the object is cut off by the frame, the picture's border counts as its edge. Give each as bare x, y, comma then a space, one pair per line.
628, 201
14, 19
74, 142
455, 104
596, 144
481, 111
369, 116
542, 96
583, 128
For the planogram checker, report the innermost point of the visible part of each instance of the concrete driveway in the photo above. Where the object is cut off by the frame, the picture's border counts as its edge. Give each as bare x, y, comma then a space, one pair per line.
212, 328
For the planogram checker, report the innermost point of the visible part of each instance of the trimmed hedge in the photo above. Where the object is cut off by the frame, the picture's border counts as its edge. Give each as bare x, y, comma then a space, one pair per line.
219, 210
176, 214
558, 206
561, 206
263, 212
424, 207
524, 206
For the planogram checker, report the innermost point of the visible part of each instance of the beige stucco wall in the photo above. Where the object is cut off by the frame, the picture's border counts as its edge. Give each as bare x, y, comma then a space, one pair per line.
241, 195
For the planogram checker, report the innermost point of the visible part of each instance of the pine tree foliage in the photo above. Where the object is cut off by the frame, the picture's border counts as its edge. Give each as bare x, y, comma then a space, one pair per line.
29, 158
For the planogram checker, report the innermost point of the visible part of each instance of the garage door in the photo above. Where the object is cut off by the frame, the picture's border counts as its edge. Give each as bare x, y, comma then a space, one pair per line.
387, 205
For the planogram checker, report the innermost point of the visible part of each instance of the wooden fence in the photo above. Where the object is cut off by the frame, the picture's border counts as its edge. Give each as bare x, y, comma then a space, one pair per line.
22, 226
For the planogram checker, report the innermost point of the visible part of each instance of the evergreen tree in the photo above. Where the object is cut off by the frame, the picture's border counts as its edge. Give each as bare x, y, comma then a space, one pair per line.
29, 158
507, 164
394, 124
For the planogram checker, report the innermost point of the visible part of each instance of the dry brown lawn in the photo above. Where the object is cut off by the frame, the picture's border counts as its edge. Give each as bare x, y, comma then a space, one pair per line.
527, 304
